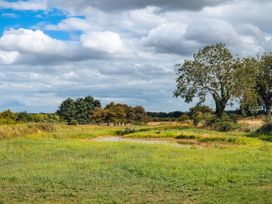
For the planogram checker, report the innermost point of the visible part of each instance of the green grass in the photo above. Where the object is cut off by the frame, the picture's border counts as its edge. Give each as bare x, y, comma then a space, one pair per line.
60, 167
83, 132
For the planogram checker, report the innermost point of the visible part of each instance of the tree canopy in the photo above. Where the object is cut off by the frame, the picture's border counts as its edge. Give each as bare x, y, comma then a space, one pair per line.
78, 109
212, 71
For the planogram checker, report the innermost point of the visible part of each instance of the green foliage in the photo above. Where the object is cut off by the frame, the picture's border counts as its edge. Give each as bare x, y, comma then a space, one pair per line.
264, 82
7, 117
200, 113
127, 130
212, 71
246, 86
184, 118
79, 109
266, 128
224, 123
118, 114
73, 122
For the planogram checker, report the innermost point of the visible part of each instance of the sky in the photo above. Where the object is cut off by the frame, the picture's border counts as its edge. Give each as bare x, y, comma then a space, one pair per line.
116, 50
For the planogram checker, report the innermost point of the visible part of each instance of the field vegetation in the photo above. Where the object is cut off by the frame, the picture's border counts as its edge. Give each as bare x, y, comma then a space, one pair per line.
67, 165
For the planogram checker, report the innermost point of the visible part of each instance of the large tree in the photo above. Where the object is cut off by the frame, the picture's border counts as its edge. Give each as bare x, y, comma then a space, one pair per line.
246, 85
67, 110
264, 82
212, 71
79, 109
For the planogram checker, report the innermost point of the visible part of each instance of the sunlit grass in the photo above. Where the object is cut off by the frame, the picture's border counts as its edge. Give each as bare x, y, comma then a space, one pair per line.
53, 170
63, 167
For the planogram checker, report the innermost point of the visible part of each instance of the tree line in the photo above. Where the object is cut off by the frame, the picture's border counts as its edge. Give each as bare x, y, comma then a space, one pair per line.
9, 117
88, 110
215, 72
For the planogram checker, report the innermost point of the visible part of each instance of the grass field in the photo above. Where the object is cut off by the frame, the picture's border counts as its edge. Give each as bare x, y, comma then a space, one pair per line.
67, 166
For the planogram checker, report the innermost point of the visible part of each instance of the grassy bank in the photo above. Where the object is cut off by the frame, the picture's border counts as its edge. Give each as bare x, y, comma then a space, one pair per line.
21, 130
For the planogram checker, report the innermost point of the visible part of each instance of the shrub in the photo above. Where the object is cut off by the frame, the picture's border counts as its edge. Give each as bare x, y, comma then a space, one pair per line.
73, 122
126, 131
199, 113
223, 124
234, 117
266, 128
184, 118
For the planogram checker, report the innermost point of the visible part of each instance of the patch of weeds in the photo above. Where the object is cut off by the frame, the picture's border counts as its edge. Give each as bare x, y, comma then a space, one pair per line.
186, 137
126, 131
218, 139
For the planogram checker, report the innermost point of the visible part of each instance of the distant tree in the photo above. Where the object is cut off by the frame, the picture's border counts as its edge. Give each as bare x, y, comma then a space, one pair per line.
7, 117
118, 114
24, 117
78, 110
99, 116
212, 71
139, 114
246, 86
264, 82
67, 110
84, 107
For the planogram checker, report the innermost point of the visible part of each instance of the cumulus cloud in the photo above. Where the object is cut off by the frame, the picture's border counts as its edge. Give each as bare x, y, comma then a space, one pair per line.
70, 24
8, 57
30, 42
30, 5
123, 50
169, 38
37, 47
107, 42
119, 5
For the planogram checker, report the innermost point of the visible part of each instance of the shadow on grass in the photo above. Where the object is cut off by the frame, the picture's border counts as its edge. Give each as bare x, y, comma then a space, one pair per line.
262, 136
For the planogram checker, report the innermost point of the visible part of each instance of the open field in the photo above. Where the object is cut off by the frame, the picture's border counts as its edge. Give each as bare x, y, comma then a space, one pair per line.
69, 165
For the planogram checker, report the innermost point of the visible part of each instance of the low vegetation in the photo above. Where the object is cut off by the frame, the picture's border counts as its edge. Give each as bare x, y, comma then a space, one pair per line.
66, 165
21, 130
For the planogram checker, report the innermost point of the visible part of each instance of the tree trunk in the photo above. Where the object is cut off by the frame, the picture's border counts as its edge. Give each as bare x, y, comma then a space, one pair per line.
268, 111
220, 107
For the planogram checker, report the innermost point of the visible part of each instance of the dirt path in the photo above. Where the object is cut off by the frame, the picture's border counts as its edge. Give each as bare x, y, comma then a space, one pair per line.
153, 141
135, 140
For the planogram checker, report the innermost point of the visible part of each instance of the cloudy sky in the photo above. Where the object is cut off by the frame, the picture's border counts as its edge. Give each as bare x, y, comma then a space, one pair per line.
116, 50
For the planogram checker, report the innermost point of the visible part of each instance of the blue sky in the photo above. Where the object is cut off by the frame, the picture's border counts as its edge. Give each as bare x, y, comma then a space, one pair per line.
122, 51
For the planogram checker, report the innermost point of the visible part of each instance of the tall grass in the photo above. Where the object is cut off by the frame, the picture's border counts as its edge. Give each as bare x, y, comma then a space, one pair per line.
20, 130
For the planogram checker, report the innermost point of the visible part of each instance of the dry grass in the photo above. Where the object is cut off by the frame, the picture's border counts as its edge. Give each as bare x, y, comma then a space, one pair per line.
251, 124
20, 130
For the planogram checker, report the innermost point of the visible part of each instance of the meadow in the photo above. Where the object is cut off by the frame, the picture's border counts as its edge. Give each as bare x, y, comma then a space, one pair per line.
68, 164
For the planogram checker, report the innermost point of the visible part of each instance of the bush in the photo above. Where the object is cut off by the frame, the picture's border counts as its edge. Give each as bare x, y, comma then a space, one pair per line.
73, 122
223, 124
184, 118
199, 113
234, 117
266, 128
126, 131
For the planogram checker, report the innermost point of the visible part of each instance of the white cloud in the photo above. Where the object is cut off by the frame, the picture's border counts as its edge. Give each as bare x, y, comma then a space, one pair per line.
70, 24
30, 42
107, 42
30, 5
125, 50
36, 47
169, 38
8, 57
